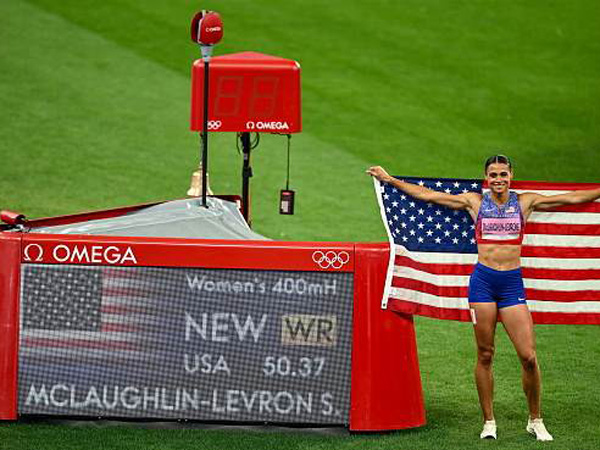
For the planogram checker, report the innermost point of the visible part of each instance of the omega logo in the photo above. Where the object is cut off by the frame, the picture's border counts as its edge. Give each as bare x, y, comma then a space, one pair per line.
83, 254
252, 125
33, 252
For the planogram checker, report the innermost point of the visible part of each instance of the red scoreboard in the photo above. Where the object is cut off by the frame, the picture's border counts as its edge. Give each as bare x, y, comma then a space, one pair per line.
248, 92
169, 328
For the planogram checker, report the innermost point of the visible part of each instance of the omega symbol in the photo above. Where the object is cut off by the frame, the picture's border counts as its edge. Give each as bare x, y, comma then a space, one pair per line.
33, 252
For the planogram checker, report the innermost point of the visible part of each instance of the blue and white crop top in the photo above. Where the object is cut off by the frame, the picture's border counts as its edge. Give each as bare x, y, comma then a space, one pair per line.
503, 224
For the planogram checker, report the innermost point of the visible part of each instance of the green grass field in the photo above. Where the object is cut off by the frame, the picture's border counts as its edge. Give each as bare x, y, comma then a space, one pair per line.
94, 106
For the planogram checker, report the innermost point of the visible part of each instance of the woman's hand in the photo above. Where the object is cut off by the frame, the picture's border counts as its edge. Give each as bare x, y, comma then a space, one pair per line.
379, 173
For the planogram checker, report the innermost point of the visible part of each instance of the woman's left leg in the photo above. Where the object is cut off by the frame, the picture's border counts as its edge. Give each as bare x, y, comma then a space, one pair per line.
519, 326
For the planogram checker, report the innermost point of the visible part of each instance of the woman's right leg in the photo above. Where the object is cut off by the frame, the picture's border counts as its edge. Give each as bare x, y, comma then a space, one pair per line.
484, 324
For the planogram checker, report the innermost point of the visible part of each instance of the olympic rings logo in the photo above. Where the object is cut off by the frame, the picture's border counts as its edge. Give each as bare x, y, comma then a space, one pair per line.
214, 124
330, 259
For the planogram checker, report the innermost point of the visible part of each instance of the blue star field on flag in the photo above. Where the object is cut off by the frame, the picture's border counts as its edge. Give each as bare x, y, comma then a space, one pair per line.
427, 227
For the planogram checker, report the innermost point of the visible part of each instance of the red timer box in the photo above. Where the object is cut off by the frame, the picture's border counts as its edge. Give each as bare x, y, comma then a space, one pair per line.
248, 92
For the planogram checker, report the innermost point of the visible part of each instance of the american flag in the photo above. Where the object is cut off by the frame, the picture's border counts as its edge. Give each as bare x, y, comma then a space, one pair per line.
433, 251
82, 312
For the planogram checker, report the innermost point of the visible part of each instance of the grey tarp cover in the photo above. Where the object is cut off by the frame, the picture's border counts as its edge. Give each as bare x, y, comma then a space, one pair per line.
178, 219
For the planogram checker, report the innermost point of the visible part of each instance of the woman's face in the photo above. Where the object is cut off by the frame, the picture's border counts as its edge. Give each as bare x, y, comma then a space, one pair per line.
498, 176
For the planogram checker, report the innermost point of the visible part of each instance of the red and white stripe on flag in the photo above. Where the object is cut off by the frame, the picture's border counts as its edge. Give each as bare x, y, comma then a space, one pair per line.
560, 261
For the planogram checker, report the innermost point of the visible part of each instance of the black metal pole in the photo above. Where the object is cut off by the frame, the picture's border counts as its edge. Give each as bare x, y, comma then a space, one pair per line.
246, 174
205, 137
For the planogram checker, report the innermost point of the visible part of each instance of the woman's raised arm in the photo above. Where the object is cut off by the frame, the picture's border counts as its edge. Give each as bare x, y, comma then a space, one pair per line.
533, 201
461, 201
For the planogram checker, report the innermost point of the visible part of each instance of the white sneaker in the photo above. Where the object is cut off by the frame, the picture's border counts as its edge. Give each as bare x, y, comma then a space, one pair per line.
538, 429
489, 430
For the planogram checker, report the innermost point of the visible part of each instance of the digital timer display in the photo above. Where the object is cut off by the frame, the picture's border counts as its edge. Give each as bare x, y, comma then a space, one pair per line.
248, 92
263, 93
186, 343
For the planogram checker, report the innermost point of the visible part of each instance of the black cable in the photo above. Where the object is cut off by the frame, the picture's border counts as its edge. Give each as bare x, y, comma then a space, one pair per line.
287, 181
253, 144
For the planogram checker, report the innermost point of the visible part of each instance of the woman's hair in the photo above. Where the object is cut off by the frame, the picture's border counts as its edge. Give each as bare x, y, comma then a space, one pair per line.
497, 159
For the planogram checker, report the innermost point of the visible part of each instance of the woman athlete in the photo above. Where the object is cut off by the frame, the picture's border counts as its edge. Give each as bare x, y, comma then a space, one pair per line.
496, 285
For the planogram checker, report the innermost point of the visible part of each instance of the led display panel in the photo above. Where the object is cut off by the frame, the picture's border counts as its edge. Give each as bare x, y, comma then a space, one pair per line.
185, 343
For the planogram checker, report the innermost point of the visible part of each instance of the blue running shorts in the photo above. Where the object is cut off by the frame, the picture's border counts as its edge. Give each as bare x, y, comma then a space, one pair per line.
504, 287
